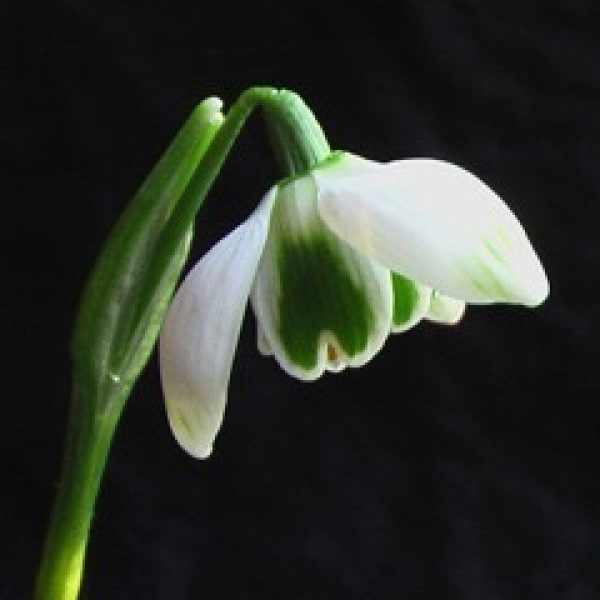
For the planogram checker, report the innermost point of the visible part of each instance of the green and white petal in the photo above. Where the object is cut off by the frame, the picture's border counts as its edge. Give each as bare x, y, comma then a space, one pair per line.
444, 309
262, 344
411, 302
320, 305
435, 223
201, 331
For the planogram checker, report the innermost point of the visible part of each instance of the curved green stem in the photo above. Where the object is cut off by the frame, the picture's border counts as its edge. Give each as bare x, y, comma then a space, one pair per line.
127, 294
297, 136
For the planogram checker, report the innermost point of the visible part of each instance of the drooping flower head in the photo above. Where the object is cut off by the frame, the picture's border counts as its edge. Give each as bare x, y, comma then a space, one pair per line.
334, 260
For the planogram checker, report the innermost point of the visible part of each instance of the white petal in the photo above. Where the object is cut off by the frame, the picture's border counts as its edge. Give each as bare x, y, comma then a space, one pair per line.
262, 344
320, 305
444, 309
201, 330
435, 223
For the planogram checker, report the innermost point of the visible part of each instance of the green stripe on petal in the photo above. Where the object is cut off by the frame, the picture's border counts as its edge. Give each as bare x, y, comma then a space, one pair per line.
312, 271
411, 302
319, 303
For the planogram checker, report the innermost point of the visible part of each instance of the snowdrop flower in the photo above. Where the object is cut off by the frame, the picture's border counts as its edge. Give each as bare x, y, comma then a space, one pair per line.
333, 261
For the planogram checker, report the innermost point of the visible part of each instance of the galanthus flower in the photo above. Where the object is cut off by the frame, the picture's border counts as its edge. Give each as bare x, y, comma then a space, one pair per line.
337, 255
333, 262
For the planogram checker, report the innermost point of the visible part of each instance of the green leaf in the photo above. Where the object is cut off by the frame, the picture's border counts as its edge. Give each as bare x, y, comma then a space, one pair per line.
131, 283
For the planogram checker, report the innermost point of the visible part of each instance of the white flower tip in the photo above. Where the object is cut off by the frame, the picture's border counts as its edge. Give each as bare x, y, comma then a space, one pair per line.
210, 109
538, 288
445, 310
200, 452
196, 438
195, 450
520, 272
518, 281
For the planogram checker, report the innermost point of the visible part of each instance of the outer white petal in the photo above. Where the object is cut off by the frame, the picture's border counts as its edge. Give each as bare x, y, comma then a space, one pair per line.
435, 223
444, 309
201, 330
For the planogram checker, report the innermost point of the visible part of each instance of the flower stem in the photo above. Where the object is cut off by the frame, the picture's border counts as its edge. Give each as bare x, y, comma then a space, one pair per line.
127, 294
297, 136
117, 323
88, 442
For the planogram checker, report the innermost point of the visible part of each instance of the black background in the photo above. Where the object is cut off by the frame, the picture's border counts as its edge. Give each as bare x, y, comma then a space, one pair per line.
461, 462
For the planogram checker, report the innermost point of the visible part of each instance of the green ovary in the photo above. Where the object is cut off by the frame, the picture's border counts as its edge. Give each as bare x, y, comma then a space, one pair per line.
318, 295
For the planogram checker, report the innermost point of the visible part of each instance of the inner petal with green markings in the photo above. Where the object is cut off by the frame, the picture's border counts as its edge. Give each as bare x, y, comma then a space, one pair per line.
411, 302
320, 304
